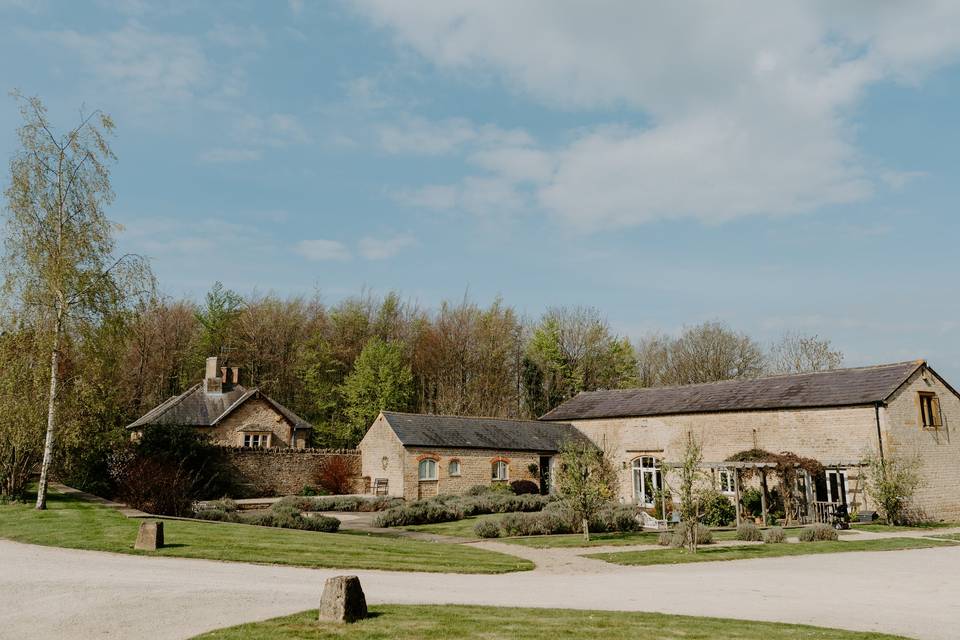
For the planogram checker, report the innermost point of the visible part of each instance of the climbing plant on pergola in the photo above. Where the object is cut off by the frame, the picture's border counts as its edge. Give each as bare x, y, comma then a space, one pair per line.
786, 465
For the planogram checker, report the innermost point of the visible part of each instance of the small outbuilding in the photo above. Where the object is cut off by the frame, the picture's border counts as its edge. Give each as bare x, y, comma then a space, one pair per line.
417, 456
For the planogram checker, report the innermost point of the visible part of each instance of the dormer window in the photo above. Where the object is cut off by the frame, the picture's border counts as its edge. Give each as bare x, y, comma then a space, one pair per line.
929, 410
256, 440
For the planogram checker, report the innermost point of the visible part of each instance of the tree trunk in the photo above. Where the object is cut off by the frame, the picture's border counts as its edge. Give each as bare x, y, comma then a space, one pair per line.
586, 530
51, 416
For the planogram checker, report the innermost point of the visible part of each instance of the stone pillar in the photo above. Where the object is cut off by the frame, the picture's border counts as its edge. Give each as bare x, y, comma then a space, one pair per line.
150, 536
342, 600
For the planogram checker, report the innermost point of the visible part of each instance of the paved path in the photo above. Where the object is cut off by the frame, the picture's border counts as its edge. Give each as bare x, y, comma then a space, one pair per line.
60, 593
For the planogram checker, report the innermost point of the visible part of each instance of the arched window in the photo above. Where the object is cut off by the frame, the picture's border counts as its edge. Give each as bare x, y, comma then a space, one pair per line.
453, 469
428, 469
646, 480
499, 470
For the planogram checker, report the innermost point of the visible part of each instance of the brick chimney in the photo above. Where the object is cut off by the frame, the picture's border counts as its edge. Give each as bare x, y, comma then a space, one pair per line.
218, 378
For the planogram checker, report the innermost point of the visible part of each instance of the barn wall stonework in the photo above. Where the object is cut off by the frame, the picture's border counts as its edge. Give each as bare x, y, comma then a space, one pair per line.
280, 472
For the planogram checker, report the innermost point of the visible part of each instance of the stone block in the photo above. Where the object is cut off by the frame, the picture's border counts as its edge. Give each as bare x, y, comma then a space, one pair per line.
342, 600
150, 536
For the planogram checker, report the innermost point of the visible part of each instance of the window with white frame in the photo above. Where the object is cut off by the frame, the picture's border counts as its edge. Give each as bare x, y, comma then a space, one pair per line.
427, 469
499, 470
256, 440
725, 481
453, 469
646, 480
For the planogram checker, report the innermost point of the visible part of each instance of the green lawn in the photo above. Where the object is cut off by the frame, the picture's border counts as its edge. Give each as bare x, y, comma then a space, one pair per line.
493, 623
73, 523
709, 554
601, 539
879, 527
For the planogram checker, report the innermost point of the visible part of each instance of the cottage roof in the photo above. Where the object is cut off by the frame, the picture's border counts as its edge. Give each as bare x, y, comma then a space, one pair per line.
197, 408
835, 388
462, 432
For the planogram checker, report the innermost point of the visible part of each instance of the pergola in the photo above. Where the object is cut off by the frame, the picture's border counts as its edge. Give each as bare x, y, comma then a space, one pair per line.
762, 468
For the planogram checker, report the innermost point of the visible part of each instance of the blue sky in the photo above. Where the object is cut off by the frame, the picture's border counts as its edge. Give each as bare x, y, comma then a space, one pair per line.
778, 166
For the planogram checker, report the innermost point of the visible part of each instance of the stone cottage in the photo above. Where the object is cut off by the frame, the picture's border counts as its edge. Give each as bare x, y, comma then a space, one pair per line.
838, 417
229, 413
417, 456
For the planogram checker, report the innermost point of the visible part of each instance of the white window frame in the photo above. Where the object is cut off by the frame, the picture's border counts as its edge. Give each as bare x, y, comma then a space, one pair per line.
427, 470
256, 440
645, 468
841, 482
495, 469
725, 481
451, 472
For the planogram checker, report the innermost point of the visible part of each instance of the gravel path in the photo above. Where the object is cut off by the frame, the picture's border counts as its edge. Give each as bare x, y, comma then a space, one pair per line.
61, 593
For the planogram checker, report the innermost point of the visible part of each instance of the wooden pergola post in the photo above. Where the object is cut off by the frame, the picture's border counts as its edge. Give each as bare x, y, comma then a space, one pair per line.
736, 492
763, 494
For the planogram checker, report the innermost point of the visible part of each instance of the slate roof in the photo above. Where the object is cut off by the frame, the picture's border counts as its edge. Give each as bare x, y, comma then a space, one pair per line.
836, 388
194, 408
423, 430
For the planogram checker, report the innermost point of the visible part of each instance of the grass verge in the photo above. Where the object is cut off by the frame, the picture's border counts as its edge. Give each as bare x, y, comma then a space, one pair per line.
493, 623
72, 523
710, 554
879, 527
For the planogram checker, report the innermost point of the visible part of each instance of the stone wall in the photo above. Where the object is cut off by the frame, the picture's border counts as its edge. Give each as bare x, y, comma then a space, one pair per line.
476, 466
284, 471
259, 415
938, 449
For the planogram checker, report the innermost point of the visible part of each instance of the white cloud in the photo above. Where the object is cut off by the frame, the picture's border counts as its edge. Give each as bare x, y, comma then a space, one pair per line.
382, 248
228, 156
146, 65
746, 110
424, 137
320, 249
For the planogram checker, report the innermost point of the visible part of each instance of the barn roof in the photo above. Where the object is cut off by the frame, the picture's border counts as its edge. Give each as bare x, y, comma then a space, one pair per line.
835, 388
197, 408
462, 432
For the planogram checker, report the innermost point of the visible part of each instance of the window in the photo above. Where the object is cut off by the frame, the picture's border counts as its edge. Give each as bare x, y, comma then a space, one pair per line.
454, 468
499, 470
725, 481
428, 469
929, 410
256, 440
646, 480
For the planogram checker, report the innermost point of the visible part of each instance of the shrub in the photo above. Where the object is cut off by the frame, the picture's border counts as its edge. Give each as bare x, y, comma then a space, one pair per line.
618, 517
536, 524
501, 487
422, 512
718, 511
478, 490
818, 532
891, 484
487, 529
774, 535
682, 532
341, 503
665, 539
289, 518
156, 486
336, 474
752, 499
662, 504
217, 515
521, 487
749, 532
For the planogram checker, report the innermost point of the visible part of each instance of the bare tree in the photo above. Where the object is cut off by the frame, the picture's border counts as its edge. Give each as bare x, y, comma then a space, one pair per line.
797, 353
653, 359
710, 352
59, 242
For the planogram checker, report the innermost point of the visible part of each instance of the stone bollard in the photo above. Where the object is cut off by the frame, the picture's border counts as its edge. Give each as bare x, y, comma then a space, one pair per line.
150, 536
342, 600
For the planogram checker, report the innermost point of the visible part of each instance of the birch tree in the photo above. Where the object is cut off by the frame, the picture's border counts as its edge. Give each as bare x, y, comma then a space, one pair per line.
59, 243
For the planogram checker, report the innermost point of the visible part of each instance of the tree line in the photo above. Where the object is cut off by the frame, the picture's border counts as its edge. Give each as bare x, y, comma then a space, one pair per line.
88, 343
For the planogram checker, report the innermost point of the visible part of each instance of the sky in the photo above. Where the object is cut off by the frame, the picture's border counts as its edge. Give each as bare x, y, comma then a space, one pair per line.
787, 166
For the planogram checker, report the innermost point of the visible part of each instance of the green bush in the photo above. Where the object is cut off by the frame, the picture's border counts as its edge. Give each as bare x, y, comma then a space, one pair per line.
681, 535
752, 499
341, 503
718, 511
749, 532
487, 529
536, 524
774, 535
217, 515
617, 517
290, 518
521, 487
422, 512
818, 532
665, 539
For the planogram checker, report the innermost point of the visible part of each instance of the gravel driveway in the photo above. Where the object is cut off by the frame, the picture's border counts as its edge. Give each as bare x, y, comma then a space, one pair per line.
59, 593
